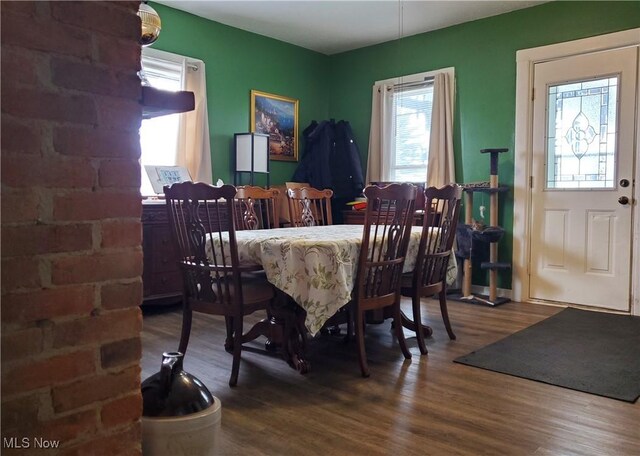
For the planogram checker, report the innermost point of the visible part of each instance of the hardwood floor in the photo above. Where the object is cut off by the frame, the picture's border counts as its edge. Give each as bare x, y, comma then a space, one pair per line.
424, 406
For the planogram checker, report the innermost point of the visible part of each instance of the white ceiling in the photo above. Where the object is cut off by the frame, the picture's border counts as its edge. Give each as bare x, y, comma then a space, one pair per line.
332, 26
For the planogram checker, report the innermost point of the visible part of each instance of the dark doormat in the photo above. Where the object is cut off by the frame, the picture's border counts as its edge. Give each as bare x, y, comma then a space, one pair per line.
594, 352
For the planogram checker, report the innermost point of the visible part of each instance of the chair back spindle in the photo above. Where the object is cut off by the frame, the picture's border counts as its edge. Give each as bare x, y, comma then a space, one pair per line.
442, 208
257, 208
197, 215
309, 206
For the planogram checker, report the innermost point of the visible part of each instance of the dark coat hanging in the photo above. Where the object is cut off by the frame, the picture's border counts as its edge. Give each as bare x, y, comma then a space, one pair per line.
331, 159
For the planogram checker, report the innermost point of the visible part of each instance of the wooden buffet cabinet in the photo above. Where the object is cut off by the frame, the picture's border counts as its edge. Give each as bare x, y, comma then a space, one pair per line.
161, 282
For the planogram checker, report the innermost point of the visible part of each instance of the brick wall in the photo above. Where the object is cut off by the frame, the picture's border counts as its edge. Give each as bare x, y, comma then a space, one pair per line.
71, 235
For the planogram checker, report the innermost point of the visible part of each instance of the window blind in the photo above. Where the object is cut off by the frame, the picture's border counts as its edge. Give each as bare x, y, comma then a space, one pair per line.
162, 74
412, 107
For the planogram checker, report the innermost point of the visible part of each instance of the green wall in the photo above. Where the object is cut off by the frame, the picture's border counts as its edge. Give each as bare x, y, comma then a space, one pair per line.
483, 53
236, 62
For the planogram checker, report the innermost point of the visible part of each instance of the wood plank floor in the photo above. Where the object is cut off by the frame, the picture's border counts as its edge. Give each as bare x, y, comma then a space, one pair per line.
424, 406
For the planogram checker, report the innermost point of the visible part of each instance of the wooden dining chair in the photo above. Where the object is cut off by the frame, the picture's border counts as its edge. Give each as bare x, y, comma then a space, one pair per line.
257, 208
385, 239
201, 221
442, 207
309, 206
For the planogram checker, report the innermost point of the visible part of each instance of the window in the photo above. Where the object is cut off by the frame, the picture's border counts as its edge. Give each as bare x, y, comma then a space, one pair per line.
411, 109
159, 136
400, 137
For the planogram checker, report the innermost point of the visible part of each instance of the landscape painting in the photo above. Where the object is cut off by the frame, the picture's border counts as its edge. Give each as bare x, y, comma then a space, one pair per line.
276, 116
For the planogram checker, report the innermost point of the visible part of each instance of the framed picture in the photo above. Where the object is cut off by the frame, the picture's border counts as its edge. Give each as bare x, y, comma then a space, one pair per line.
277, 117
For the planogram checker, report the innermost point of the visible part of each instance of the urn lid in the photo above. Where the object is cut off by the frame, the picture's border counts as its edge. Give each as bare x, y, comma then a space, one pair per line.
172, 391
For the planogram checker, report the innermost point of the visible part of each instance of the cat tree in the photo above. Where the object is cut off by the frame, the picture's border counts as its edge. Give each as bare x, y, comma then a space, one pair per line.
490, 234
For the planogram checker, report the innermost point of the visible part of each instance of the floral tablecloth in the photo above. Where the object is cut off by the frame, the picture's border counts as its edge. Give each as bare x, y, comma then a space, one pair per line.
316, 266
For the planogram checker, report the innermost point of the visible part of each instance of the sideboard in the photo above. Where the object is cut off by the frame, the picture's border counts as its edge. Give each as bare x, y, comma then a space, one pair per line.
161, 282
161, 279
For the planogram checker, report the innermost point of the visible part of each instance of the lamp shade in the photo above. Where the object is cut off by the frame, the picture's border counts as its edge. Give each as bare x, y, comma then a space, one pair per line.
252, 152
252, 155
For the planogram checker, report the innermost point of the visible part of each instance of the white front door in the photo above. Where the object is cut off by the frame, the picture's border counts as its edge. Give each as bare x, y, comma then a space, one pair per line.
582, 179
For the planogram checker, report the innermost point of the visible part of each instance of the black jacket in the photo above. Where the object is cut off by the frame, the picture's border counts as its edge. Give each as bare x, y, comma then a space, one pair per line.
346, 169
331, 159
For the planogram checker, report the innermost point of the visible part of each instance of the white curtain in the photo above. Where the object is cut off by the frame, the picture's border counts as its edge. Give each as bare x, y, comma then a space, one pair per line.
194, 150
381, 133
441, 167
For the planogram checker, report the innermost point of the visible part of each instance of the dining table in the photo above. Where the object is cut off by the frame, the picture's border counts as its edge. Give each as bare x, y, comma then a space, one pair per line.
314, 267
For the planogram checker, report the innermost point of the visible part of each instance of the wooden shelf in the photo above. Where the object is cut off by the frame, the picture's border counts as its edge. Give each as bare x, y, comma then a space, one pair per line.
157, 102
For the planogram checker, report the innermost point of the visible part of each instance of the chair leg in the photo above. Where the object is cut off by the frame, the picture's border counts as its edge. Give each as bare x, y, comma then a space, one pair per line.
187, 316
362, 355
445, 314
228, 342
397, 320
349, 335
302, 329
237, 349
417, 320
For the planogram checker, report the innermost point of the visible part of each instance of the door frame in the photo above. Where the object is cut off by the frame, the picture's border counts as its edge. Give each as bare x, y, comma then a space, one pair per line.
525, 63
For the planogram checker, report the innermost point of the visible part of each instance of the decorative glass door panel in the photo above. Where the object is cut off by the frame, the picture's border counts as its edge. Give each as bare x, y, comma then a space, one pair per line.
581, 134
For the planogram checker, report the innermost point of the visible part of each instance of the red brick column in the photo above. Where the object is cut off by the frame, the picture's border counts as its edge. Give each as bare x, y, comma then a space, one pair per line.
71, 234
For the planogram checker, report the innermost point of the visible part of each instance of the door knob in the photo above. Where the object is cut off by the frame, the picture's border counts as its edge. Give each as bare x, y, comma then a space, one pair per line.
623, 200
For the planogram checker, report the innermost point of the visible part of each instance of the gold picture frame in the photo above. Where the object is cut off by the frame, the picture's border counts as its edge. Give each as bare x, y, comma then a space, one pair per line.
276, 116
